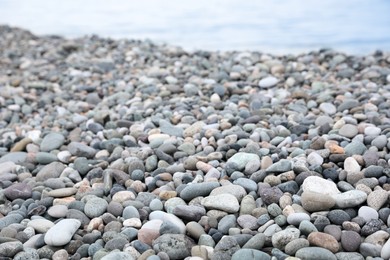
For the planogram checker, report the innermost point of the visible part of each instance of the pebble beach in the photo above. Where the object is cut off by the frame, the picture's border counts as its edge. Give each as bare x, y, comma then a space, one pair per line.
127, 149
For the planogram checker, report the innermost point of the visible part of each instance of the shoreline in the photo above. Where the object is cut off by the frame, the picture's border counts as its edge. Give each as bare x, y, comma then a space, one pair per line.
129, 149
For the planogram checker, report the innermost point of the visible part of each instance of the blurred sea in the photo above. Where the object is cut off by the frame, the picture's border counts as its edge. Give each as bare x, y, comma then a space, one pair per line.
284, 26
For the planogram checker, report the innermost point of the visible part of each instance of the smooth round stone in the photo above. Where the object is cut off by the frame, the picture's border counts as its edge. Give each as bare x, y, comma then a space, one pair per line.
372, 131
81, 150
226, 223
268, 82
52, 170
247, 253
57, 211
192, 213
132, 222
323, 120
52, 141
338, 216
95, 207
194, 230
40, 225
247, 184
282, 238
60, 255
177, 246
236, 190
310, 253
367, 213
348, 130
150, 231
334, 231
350, 241
296, 218
18, 190
314, 201
306, 227
323, 240
130, 212
166, 217
248, 221
194, 190
156, 204
379, 142
296, 244
328, 108
206, 240
315, 159
242, 159
350, 199
373, 171
319, 185
62, 232
224, 202
45, 158
355, 147
256, 242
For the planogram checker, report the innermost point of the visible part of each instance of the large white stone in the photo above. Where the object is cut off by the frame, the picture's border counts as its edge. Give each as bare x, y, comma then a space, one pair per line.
62, 232
320, 185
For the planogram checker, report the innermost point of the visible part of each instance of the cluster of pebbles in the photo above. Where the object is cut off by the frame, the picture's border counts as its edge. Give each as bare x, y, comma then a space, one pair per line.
122, 149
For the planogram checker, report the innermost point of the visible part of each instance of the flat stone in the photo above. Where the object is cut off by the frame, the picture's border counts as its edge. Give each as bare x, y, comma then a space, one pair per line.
242, 159
314, 201
81, 150
268, 82
349, 199
319, 185
194, 190
250, 254
310, 253
18, 190
52, 170
62, 232
280, 166
296, 218
236, 190
52, 141
224, 202
40, 225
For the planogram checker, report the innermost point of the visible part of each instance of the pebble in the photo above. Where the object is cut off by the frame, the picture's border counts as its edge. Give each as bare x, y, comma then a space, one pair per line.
51, 142
65, 227
176, 246
282, 238
309, 253
246, 253
323, 240
350, 241
224, 202
268, 82
319, 185
95, 207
